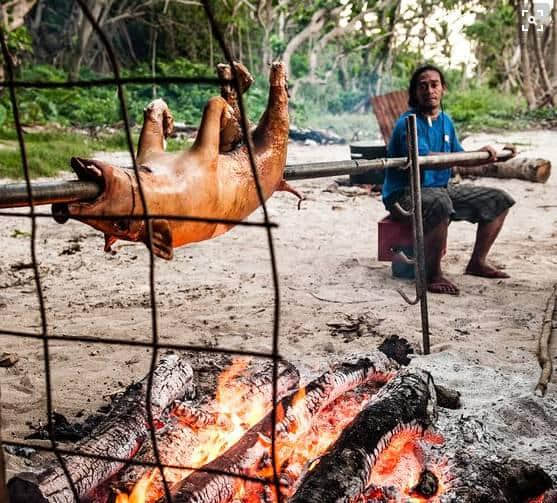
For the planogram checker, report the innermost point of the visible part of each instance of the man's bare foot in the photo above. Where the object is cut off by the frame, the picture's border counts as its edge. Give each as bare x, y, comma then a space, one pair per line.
485, 271
440, 284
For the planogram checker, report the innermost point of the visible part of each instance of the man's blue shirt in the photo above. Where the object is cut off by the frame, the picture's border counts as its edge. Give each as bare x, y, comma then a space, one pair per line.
439, 137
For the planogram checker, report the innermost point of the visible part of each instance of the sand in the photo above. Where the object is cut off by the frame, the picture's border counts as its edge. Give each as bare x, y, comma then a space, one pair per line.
219, 293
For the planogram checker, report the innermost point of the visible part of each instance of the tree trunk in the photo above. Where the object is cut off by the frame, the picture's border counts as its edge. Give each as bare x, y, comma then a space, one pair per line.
154, 37
527, 86
388, 46
119, 436
252, 452
344, 472
315, 24
178, 442
546, 84
84, 31
12, 13
522, 168
38, 16
553, 45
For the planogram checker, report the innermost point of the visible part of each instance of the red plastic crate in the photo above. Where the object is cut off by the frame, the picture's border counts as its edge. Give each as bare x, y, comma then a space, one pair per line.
392, 234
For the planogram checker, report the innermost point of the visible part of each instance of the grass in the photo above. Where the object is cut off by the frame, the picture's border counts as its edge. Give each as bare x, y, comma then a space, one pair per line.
49, 152
483, 109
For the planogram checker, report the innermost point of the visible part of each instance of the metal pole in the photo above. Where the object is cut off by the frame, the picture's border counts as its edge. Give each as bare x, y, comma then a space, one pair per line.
15, 194
418, 228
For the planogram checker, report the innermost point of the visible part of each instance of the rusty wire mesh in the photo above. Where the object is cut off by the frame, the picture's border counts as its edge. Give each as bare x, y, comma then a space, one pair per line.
46, 336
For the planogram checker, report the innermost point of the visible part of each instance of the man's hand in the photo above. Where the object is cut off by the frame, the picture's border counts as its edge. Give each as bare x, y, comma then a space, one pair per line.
512, 148
492, 153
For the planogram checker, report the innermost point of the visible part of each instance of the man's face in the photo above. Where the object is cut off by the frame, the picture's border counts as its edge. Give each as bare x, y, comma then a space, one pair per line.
429, 90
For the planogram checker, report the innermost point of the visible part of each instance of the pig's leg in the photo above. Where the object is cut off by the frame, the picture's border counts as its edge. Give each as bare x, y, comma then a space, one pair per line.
158, 125
231, 131
216, 115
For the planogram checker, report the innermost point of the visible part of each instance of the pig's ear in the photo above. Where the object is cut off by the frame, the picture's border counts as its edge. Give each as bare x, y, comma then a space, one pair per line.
162, 239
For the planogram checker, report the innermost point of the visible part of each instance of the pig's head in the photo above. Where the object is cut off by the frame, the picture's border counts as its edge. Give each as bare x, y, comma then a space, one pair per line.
112, 210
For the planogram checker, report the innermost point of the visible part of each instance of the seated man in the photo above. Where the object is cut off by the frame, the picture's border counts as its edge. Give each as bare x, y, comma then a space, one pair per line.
442, 202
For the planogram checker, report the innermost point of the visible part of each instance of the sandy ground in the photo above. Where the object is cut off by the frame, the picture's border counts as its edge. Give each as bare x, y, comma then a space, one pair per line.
220, 294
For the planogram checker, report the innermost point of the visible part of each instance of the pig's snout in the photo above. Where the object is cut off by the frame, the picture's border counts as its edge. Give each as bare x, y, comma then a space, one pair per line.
60, 212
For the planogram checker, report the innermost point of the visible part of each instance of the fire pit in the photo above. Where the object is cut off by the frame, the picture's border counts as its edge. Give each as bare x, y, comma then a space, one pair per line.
361, 432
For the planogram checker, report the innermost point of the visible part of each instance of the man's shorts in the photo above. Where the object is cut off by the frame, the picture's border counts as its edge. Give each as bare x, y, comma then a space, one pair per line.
455, 202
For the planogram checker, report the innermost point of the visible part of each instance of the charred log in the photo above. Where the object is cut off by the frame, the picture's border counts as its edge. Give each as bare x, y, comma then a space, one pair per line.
196, 417
479, 480
447, 398
252, 453
399, 349
523, 168
177, 442
119, 436
64, 430
343, 473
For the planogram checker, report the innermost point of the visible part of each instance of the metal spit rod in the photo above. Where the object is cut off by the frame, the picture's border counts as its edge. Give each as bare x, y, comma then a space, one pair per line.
418, 228
15, 194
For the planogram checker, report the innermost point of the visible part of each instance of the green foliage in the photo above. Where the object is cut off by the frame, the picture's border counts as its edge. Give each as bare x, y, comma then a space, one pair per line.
481, 108
99, 106
255, 100
19, 41
540, 117
277, 45
494, 32
299, 65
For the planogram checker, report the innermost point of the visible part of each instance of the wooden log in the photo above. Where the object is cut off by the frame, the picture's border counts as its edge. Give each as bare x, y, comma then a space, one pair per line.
544, 343
522, 168
295, 412
119, 436
343, 473
399, 349
447, 398
178, 441
318, 136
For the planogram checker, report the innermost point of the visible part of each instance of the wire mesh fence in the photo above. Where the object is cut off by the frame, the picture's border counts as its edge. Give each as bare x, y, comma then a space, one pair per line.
46, 335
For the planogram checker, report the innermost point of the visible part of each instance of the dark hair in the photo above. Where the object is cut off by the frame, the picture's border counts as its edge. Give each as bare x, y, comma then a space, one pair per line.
412, 98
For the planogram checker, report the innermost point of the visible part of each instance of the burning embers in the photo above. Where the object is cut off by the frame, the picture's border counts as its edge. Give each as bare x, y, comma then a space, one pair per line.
233, 435
359, 433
